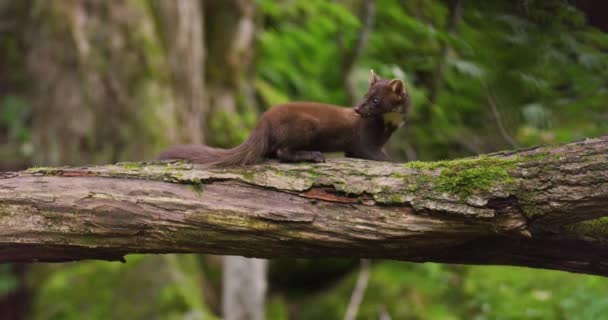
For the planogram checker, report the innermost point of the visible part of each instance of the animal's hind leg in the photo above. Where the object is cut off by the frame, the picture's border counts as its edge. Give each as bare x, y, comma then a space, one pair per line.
293, 136
287, 155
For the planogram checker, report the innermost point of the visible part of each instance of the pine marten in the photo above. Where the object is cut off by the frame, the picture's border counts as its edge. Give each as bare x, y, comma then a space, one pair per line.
301, 131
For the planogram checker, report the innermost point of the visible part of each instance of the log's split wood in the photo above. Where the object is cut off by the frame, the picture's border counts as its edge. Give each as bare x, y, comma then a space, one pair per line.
545, 207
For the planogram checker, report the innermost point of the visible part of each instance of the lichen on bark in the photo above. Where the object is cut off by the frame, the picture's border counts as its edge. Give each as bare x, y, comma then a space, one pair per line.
535, 207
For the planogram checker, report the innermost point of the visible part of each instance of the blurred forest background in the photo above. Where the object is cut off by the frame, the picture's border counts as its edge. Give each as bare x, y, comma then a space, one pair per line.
92, 82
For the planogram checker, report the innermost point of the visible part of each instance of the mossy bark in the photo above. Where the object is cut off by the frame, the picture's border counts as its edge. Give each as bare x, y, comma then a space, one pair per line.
540, 207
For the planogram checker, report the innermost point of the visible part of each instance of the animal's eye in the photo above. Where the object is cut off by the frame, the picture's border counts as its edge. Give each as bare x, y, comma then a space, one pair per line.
375, 101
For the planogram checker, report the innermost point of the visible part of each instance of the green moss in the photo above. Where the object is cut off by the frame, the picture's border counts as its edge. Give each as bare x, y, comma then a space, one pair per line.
421, 181
312, 173
393, 197
198, 188
464, 177
529, 210
279, 173
43, 170
468, 181
248, 175
4, 212
464, 163
597, 228
130, 165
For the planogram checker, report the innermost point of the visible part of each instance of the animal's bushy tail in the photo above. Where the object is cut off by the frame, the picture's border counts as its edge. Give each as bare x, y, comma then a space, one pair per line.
252, 151
192, 152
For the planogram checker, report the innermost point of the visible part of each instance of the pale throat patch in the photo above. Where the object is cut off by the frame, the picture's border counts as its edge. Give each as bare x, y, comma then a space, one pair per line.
393, 118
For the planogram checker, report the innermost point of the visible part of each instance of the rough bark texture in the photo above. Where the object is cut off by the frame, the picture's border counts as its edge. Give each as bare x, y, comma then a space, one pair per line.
543, 207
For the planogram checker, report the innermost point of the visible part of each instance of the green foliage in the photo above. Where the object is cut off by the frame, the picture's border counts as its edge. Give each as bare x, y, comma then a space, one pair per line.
521, 293
295, 58
593, 228
146, 287
434, 291
541, 78
402, 290
529, 70
8, 281
276, 308
14, 113
231, 129
534, 68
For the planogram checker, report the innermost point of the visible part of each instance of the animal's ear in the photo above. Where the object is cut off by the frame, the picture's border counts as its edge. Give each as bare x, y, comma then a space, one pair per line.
373, 77
396, 85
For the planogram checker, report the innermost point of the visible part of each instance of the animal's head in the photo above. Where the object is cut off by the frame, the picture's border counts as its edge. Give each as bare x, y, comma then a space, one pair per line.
384, 96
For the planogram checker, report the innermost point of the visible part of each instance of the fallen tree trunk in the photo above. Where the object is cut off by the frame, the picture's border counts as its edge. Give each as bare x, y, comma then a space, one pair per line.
544, 207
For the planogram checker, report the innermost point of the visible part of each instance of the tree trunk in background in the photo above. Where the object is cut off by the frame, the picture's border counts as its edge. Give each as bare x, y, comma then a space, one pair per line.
367, 14
102, 91
118, 80
114, 81
230, 30
244, 288
230, 27
455, 15
181, 23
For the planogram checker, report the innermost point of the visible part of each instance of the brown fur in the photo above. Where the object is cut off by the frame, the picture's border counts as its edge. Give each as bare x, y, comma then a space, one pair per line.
300, 131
